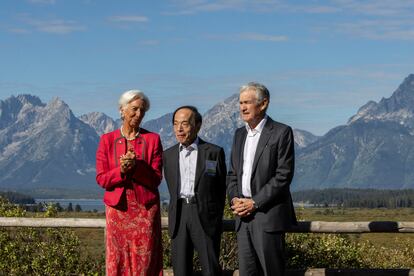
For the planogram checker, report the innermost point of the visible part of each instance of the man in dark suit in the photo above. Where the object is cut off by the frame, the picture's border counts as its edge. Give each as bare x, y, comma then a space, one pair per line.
195, 172
261, 170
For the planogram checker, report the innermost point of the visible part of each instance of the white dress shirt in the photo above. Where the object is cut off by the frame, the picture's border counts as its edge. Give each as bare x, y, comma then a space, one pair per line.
188, 164
252, 139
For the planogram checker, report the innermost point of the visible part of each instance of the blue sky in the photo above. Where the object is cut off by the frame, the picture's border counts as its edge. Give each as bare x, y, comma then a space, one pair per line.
321, 60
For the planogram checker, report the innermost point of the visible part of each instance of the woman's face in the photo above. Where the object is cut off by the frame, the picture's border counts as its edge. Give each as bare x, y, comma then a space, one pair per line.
133, 113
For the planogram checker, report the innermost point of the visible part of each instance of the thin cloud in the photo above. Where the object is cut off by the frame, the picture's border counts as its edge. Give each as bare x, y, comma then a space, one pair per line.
218, 6
264, 6
375, 19
182, 7
385, 29
47, 2
18, 31
128, 18
381, 8
249, 37
262, 37
367, 7
378, 7
321, 9
53, 26
149, 42
57, 26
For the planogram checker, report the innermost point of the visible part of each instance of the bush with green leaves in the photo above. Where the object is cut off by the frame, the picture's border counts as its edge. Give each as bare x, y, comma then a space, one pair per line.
322, 250
51, 210
30, 251
327, 251
309, 250
381, 257
8, 209
34, 251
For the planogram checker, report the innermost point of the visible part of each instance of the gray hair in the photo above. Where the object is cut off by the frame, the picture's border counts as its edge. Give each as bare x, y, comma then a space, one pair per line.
132, 95
261, 91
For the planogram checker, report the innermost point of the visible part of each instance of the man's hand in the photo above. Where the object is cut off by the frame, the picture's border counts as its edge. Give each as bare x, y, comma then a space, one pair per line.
242, 207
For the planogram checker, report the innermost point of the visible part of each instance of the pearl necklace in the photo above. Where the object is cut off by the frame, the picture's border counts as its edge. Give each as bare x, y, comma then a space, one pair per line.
129, 139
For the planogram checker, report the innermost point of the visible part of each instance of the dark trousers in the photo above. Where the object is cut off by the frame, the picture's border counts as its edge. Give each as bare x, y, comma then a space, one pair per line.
190, 235
260, 252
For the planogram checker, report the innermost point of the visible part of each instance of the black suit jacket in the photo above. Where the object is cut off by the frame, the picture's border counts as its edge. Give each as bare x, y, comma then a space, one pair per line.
209, 189
272, 174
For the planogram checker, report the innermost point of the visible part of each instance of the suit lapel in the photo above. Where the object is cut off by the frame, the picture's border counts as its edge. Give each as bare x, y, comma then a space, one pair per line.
201, 160
176, 172
240, 150
264, 137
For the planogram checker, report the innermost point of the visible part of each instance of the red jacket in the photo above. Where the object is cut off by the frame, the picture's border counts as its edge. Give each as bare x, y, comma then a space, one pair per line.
148, 173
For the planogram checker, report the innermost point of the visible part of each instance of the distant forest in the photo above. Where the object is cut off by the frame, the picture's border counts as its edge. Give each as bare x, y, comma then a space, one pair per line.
361, 198
17, 198
349, 198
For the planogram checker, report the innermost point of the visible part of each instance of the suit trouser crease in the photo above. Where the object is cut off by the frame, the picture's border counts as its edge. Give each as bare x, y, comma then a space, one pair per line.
190, 235
260, 252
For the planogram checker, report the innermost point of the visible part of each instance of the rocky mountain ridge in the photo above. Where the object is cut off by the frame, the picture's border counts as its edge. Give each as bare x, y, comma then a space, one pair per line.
375, 149
45, 147
46, 150
398, 108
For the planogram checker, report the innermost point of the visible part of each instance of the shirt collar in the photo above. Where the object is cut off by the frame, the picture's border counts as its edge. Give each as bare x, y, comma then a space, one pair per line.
258, 128
193, 146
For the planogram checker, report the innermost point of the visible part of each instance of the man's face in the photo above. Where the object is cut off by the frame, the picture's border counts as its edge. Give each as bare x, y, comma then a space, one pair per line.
250, 110
184, 127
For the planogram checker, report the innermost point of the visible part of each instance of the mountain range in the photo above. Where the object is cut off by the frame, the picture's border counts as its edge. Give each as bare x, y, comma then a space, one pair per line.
375, 149
44, 149
47, 151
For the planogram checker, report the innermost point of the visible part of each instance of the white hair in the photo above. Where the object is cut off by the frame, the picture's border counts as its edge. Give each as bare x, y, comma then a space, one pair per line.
261, 91
131, 95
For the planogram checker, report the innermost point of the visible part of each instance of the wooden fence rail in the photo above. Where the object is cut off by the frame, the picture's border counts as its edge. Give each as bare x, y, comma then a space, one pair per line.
302, 227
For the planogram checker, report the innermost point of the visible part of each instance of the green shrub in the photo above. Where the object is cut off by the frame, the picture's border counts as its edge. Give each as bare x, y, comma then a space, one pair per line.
166, 246
327, 251
381, 257
8, 209
228, 251
30, 251
322, 250
51, 210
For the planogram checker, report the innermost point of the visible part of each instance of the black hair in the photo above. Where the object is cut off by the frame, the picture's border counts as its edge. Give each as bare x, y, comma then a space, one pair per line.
197, 116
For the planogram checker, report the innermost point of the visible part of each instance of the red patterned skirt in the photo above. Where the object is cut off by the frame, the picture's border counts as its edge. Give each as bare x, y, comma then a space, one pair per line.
133, 239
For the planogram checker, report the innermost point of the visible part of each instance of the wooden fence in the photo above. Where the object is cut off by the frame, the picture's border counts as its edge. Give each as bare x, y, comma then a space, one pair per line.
302, 227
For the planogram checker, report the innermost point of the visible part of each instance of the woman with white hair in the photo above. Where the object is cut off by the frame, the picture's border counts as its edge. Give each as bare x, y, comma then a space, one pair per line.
129, 168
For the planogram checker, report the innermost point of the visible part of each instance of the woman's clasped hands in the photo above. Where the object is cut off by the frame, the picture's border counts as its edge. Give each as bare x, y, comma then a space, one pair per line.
128, 161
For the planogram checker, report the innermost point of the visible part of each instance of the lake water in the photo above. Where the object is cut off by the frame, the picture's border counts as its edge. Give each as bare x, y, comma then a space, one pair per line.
85, 204
97, 204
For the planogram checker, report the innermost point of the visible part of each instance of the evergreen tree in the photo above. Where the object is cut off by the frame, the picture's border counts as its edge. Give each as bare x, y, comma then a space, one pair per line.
70, 207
